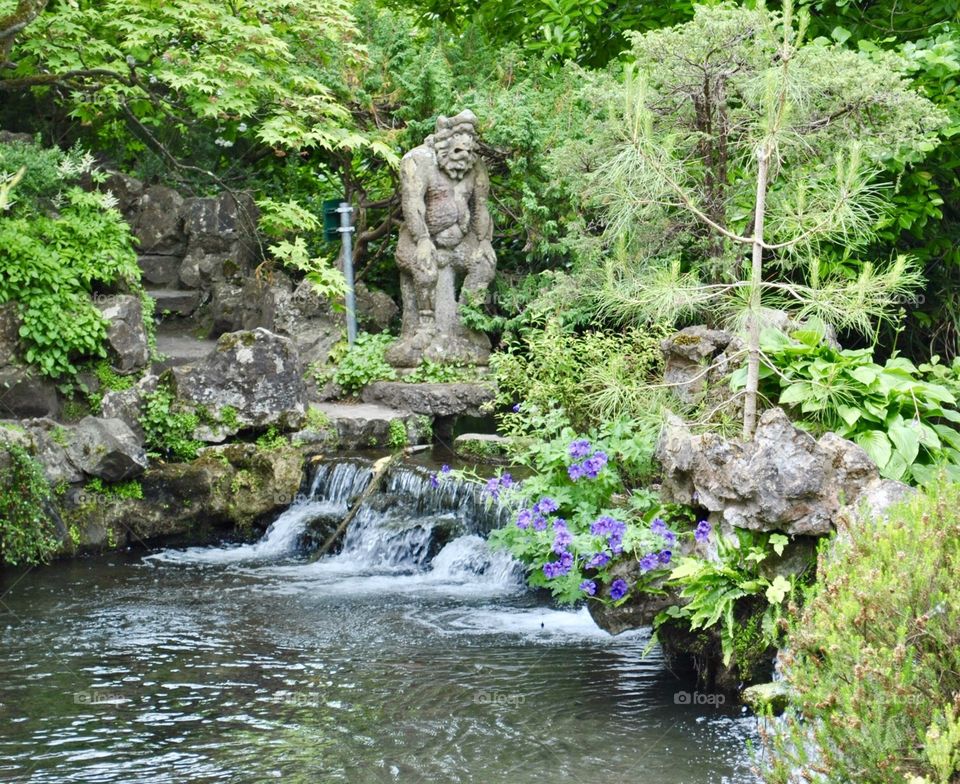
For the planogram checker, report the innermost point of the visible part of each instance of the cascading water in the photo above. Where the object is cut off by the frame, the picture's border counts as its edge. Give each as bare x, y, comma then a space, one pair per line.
414, 525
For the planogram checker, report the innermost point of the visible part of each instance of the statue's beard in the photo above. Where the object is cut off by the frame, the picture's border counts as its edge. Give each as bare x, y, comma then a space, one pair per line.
456, 169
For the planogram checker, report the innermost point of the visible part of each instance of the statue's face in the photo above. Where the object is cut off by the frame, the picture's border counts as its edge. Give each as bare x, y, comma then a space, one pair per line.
457, 154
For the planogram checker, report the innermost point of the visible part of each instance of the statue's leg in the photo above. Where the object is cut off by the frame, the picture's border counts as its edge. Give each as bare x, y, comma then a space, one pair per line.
480, 269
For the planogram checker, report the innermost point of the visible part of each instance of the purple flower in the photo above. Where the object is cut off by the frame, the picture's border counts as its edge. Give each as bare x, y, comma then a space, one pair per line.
670, 538
616, 544
554, 569
589, 587
444, 469
545, 506
703, 531
575, 471
658, 526
593, 465
649, 562
563, 537
539, 523
605, 526
664, 557
434, 482
618, 589
516, 408
524, 518
579, 448
598, 560
493, 488
506, 481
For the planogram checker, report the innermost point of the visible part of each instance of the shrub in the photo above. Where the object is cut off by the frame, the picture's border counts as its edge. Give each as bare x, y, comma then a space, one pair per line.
873, 662
364, 363
59, 242
27, 533
899, 415
592, 377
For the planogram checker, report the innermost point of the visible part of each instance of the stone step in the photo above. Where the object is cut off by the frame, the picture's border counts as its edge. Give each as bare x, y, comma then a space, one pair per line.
179, 348
160, 272
174, 301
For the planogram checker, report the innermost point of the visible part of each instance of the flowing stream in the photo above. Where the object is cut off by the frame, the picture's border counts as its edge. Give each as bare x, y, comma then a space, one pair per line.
413, 655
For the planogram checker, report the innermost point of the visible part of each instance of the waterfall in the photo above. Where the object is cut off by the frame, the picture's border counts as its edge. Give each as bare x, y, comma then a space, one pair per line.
411, 525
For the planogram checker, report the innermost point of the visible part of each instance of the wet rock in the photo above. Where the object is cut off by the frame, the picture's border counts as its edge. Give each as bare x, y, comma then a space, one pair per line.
375, 310
436, 400
762, 698
126, 333
639, 609
49, 442
483, 447
251, 380
784, 480
238, 486
106, 448
162, 271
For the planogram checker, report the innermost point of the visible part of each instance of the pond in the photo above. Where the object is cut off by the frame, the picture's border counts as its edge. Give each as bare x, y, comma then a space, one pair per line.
390, 662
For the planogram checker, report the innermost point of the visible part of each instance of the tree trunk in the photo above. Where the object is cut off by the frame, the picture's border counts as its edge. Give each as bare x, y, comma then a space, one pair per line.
753, 313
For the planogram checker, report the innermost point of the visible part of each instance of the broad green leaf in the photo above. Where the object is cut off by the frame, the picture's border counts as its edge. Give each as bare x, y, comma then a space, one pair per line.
876, 444
906, 439
778, 589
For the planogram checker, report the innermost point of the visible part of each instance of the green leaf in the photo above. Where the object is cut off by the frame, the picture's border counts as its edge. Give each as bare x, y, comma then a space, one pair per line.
906, 439
876, 444
778, 589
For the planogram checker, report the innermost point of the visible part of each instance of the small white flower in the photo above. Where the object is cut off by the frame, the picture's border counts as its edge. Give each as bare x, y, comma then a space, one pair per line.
242, 127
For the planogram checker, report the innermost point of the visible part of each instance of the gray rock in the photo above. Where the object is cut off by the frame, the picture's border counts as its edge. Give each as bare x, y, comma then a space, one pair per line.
126, 334
762, 698
106, 448
127, 404
162, 271
159, 226
637, 611
784, 480
126, 190
375, 310
25, 394
174, 301
442, 400
50, 442
688, 356
222, 224
256, 374
482, 447
366, 425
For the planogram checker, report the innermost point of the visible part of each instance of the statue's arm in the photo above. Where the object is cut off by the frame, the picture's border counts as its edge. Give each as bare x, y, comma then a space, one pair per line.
482, 222
413, 192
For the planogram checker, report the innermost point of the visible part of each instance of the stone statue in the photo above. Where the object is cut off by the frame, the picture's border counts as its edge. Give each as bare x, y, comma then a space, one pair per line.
445, 241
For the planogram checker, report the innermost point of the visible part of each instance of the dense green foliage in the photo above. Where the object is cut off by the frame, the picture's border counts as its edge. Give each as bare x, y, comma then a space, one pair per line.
904, 418
874, 659
27, 532
364, 363
58, 245
168, 430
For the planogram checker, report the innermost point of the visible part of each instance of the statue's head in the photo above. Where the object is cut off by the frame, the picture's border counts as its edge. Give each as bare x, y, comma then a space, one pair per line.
455, 142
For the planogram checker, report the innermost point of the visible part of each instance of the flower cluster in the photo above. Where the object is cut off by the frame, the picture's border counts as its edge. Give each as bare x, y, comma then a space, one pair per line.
537, 516
562, 539
589, 465
496, 484
613, 530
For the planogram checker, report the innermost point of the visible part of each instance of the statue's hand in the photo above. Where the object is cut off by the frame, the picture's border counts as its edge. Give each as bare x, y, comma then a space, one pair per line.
426, 254
486, 252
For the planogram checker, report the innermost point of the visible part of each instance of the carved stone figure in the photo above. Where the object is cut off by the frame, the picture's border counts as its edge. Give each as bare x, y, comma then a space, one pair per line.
445, 242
